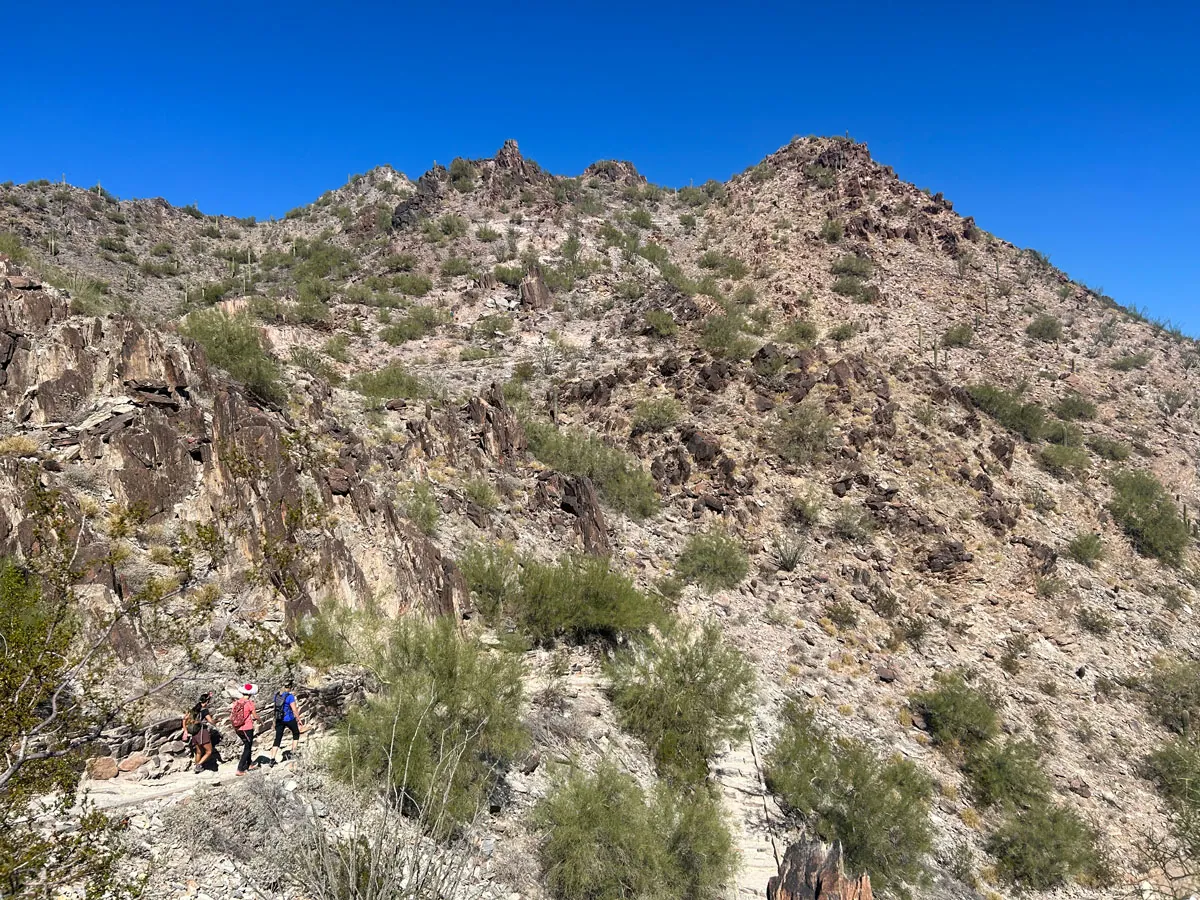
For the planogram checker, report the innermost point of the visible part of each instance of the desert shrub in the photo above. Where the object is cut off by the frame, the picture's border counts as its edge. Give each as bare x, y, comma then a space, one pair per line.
235, 344
658, 414
336, 348
480, 492
314, 364
842, 613
10, 246
959, 335
683, 695
455, 265
1130, 361
579, 598
723, 263
462, 175
804, 511
1006, 774
800, 332
849, 286
411, 284
1148, 515
1064, 462
487, 234
1046, 846
852, 264
491, 576
958, 716
605, 840
619, 477
1027, 419
1173, 692
162, 249
1045, 328
721, 335
1075, 406
831, 231
853, 524
422, 508
418, 322
445, 724
400, 262
640, 216
510, 275
392, 382
803, 433
842, 332
660, 323
1109, 449
714, 560
1085, 548
878, 809
1057, 431
1094, 621
1175, 769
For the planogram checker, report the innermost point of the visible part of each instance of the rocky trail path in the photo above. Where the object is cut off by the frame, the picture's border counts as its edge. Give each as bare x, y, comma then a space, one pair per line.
752, 814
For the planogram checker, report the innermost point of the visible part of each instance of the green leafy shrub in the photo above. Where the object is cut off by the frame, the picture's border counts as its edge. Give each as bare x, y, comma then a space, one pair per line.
235, 344
1027, 419
445, 724
959, 335
852, 264
1075, 406
422, 508
714, 560
842, 332
1175, 769
509, 275
400, 262
803, 433
849, 286
1130, 362
1006, 774
487, 234
455, 265
392, 382
1046, 846
1148, 515
337, 347
1045, 328
579, 598
605, 840
491, 575
658, 414
314, 364
831, 231
1109, 449
420, 321
412, 285
1058, 432
957, 715
721, 335
852, 524
683, 696
1173, 692
660, 323
1064, 462
1094, 621
480, 492
1085, 548
723, 263
463, 175
10, 246
800, 332
878, 809
619, 477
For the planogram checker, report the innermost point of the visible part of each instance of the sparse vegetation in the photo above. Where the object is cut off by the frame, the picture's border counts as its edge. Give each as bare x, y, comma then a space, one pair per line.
392, 382
657, 414
234, 344
1148, 515
1045, 328
800, 332
1027, 419
1064, 462
958, 716
660, 323
1086, 548
959, 335
803, 433
1173, 692
714, 560
1074, 406
1130, 361
853, 265
1045, 846
1006, 774
1108, 448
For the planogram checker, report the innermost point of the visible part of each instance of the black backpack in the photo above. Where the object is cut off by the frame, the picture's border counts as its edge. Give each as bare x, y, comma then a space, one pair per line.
280, 705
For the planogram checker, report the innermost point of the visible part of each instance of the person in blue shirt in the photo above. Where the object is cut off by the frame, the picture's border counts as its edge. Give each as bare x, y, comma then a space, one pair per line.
287, 718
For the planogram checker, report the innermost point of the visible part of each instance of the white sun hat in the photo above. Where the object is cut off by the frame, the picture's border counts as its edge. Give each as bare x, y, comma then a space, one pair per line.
248, 689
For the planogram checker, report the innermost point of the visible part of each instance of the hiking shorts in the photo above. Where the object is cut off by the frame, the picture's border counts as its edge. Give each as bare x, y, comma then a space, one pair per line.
281, 726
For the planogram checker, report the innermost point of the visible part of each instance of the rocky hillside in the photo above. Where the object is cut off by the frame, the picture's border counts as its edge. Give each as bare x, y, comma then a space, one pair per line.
926, 441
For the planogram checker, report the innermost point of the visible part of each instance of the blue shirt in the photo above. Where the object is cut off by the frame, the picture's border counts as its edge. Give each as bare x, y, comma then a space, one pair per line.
288, 700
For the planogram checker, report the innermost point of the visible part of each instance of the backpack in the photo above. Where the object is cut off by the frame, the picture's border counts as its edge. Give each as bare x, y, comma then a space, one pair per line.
280, 705
240, 714
192, 723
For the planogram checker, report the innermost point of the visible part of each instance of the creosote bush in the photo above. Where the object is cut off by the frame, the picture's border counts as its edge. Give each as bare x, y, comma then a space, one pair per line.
1045, 328
803, 433
959, 335
1006, 774
1086, 548
1064, 462
234, 344
839, 789
800, 332
606, 840
958, 716
1045, 846
714, 560
657, 414
683, 695
1148, 515
618, 476
391, 382
1173, 693
852, 264
450, 709
660, 323
1109, 449
1075, 406
1027, 419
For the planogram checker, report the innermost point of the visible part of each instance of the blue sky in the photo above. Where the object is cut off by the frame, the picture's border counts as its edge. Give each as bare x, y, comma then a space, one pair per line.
1069, 127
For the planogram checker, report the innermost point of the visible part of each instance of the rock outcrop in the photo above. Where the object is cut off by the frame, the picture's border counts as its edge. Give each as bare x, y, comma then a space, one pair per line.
812, 871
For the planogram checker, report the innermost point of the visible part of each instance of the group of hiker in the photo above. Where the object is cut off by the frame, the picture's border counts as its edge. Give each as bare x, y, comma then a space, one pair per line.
200, 731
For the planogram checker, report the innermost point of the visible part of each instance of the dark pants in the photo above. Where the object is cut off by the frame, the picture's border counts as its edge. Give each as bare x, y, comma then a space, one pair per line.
247, 737
281, 726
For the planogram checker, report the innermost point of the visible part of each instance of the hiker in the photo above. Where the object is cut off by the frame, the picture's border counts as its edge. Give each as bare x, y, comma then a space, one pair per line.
243, 716
198, 731
287, 717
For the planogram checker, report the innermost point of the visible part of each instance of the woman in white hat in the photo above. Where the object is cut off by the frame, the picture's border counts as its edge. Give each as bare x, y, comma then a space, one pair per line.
243, 716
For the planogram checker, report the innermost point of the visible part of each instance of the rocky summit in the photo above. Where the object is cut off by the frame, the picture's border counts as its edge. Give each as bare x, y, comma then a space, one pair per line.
793, 506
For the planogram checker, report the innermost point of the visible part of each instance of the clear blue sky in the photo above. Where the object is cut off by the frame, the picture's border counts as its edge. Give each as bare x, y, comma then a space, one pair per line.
1073, 128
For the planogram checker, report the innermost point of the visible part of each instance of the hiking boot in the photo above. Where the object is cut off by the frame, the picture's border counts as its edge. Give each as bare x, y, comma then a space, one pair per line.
199, 769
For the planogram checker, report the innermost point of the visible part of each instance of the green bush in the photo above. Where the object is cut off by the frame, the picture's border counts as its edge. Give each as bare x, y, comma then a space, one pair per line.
336, 348
803, 433
842, 332
1173, 692
445, 725
420, 321
618, 476
462, 175
422, 508
800, 332
1107, 448
1045, 328
579, 598
852, 264
400, 262
878, 809
849, 286
392, 382
1006, 774
1058, 432
1075, 406
480, 492
1094, 621
714, 560
491, 575
1046, 846
1130, 361
658, 414
723, 263
314, 364
957, 715
831, 231
684, 696
959, 335
455, 265
660, 323
1148, 515
1064, 462
1175, 770
234, 344
10, 246
412, 285
604, 840
509, 275
487, 234
1027, 419
721, 335
1085, 548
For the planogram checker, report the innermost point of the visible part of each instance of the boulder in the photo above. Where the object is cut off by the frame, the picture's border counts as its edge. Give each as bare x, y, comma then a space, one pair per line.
133, 762
101, 768
812, 871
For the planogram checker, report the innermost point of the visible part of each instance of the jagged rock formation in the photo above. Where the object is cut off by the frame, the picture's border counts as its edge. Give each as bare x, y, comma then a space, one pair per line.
812, 871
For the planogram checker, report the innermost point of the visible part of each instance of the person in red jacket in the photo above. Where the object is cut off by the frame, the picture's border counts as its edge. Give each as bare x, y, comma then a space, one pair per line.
243, 716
